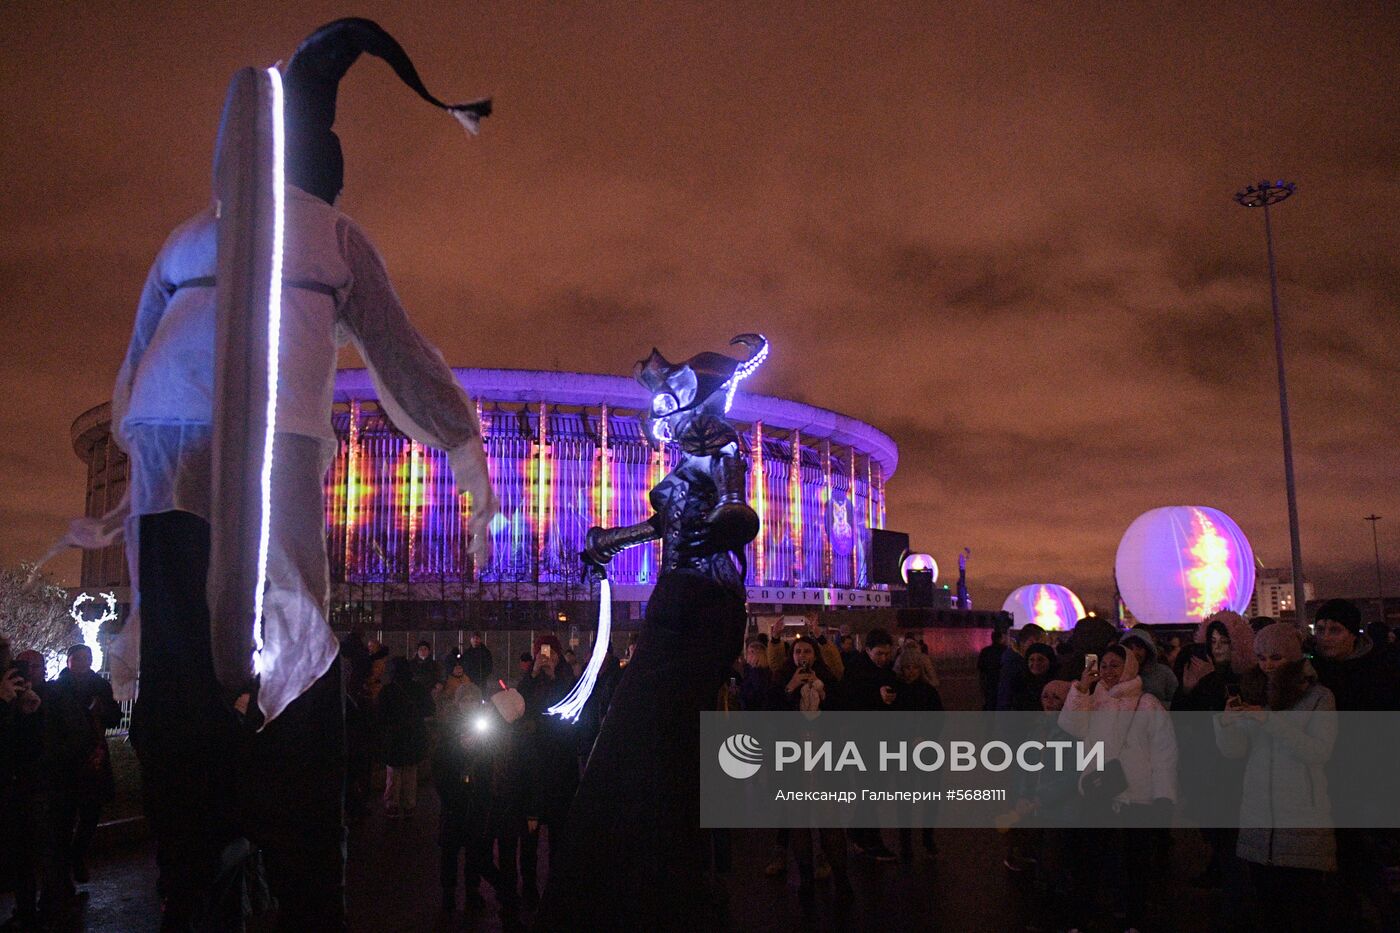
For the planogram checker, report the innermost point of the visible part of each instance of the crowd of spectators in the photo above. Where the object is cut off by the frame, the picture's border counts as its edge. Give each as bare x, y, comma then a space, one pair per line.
1278, 777
505, 771
55, 778
803, 670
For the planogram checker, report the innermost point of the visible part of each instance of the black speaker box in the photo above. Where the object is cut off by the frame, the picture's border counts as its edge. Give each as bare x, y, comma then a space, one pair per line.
887, 550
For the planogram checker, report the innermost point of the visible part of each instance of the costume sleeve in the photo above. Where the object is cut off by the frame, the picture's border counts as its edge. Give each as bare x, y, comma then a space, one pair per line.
415, 385
149, 312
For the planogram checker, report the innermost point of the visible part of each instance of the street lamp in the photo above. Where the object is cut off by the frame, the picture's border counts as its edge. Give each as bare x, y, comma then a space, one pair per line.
1376, 545
1264, 194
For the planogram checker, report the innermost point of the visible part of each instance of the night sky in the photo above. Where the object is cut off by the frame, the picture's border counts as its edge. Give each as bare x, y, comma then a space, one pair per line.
1002, 233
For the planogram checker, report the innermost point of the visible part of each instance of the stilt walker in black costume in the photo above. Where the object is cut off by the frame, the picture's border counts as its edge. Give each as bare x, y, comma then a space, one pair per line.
633, 855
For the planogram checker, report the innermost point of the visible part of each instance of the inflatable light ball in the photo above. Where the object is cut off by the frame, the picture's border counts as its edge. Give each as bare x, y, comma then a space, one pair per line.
1049, 605
1181, 563
919, 562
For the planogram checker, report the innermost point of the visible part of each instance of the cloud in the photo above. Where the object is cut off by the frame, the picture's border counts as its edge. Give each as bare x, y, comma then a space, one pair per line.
1003, 235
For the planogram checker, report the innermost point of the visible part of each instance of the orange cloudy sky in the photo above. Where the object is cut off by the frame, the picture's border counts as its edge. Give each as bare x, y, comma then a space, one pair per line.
1001, 232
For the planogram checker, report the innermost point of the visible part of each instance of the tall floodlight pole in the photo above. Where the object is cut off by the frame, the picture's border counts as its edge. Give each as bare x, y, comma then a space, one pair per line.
1376, 545
1265, 194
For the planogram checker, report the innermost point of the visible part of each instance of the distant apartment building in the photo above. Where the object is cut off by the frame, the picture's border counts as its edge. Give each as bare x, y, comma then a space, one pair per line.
1273, 594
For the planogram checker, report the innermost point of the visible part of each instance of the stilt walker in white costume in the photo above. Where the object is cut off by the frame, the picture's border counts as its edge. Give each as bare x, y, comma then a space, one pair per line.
223, 404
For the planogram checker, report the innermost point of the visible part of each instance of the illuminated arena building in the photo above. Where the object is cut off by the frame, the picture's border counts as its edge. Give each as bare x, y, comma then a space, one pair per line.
566, 452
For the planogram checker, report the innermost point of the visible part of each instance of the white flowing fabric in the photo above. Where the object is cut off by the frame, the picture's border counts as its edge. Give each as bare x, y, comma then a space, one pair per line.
162, 410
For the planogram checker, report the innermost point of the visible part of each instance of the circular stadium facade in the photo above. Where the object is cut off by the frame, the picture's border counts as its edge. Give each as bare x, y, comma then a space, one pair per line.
566, 451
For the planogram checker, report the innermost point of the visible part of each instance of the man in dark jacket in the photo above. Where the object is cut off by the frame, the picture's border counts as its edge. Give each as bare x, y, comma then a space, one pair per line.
426, 670
1013, 664
870, 684
1361, 677
553, 753
80, 710
477, 663
21, 799
757, 691
989, 668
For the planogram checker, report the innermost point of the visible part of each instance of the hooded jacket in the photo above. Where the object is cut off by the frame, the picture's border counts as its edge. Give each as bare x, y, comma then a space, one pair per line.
1285, 809
1157, 678
1241, 639
1140, 735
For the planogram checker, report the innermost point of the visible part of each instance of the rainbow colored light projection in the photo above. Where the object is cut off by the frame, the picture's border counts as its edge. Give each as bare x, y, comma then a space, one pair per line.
1178, 564
1053, 607
393, 515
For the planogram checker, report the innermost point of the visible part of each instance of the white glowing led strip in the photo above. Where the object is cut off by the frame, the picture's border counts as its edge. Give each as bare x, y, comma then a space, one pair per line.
571, 707
745, 370
274, 335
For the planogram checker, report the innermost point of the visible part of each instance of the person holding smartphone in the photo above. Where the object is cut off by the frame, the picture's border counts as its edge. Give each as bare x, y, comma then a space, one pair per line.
809, 685
870, 684
21, 747
1285, 810
1210, 670
805, 678
1140, 737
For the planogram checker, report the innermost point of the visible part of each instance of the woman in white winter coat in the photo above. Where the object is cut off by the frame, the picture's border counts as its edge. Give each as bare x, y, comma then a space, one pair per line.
1107, 704
1286, 835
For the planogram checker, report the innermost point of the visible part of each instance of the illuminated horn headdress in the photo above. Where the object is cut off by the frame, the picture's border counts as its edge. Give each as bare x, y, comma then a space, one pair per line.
704, 383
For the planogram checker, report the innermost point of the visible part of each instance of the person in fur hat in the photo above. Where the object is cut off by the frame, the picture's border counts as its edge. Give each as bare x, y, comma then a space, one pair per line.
1285, 810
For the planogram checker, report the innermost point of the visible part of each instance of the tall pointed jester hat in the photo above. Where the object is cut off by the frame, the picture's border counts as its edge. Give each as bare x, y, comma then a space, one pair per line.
315, 162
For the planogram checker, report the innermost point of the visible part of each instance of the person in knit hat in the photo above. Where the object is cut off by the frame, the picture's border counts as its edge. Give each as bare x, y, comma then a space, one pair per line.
1363, 676
1285, 810
1360, 674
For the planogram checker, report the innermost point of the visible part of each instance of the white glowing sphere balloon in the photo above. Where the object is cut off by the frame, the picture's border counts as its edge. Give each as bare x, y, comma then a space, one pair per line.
1049, 605
918, 562
1181, 563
